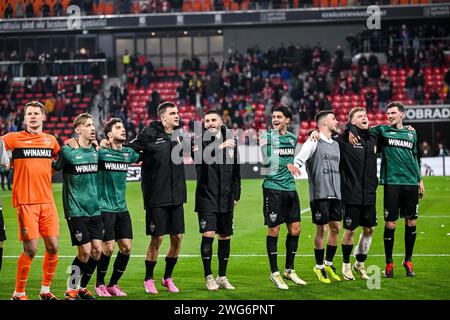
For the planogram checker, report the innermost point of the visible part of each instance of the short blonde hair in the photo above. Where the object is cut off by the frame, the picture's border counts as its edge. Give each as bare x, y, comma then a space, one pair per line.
35, 104
355, 110
81, 119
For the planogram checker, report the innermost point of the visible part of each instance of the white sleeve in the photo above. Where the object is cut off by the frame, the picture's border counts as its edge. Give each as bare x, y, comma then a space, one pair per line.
4, 158
308, 149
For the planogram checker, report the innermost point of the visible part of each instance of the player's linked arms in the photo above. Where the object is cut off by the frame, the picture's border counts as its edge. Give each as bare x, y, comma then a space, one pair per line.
73, 143
293, 170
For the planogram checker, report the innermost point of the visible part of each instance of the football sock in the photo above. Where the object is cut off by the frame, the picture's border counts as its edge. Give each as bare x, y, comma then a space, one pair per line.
89, 269
48, 268
120, 264
206, 251
76, 273
363, 247
170, 264
388, 244
223, 254
1, 258
291, 251
149, 267
331, 251
271, 245
23, 269
410, 239
102, 269
319, 253
346, 252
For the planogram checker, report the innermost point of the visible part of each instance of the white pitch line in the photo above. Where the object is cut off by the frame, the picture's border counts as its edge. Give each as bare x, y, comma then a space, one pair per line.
255, 255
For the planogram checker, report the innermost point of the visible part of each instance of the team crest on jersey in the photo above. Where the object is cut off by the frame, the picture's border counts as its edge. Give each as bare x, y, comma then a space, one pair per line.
273, 216
348, 221
262, 141
386, 213
318, 215
410, 135
47, 141
291, 141
202, 224
152, 227
231, 152
79, 236
126, 155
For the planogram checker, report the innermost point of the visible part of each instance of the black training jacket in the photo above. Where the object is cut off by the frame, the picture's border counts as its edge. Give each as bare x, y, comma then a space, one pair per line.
163, 181
358, 166
218, 185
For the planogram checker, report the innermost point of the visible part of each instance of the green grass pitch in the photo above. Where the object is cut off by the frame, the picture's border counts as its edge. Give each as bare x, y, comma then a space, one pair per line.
248, 266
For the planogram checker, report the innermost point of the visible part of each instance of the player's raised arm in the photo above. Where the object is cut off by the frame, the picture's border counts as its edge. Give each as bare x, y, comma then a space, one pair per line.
308, 149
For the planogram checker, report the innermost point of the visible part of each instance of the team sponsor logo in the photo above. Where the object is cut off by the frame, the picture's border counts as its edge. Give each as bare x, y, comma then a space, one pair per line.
400, 143
152, 227
86, 168
41, 153
348, 221
386, 213
202, 224
273, 216
318, 215
47, 141
284, 151
195, 148
79, 236
115, 166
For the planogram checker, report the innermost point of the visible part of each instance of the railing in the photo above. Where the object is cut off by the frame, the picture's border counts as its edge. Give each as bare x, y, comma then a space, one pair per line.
96, 67
374, 43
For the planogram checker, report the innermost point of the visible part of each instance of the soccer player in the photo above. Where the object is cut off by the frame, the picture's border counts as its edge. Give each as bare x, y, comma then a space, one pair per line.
403, 185
322, 165
111, 184
81, 208
281, 203
218, 192
32, 196
164, 190
4, 162
358, 165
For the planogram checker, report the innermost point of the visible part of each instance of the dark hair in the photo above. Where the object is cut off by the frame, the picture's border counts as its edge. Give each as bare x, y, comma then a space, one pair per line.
108, 126
322, 114
213, 111
397, 104
163, 107
284, 110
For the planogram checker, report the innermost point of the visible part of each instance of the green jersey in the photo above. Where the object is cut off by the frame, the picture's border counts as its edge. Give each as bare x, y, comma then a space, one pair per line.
399, 163
112, 178
278, 150
79, 167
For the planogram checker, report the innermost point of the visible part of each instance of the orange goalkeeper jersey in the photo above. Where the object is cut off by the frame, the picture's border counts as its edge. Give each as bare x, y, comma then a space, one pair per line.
32, 156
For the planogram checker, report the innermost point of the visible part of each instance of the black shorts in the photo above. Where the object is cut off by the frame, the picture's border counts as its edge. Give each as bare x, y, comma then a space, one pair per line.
2, 227
219, 222
117, 226
403, 199
85, 229
280, 207
355, 215
164, 220
326, 210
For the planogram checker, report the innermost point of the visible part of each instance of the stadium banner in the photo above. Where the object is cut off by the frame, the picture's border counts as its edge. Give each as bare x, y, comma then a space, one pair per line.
216, 18
427, 113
